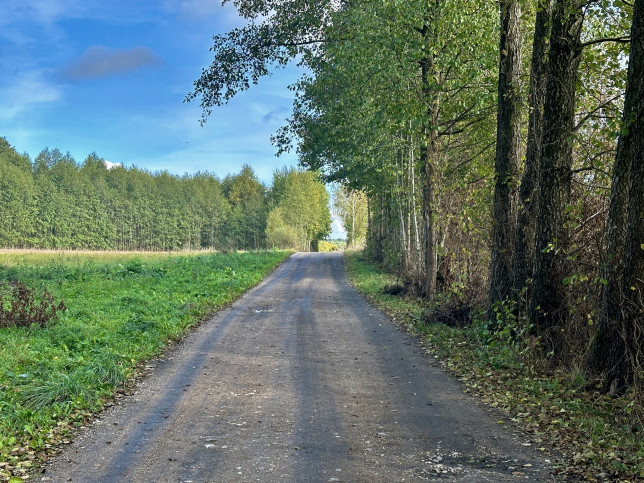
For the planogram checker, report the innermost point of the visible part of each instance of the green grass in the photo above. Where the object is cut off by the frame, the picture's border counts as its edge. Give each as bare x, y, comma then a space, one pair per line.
121, 310
596, 434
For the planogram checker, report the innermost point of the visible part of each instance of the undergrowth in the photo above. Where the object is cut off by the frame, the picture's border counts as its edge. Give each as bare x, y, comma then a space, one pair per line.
122, 309
21, 306
599, 436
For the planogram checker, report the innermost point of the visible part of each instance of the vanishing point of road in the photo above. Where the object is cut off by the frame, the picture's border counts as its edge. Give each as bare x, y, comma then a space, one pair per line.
300, 380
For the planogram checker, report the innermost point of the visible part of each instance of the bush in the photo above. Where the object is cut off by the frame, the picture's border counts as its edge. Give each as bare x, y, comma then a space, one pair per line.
327, 246
20, 306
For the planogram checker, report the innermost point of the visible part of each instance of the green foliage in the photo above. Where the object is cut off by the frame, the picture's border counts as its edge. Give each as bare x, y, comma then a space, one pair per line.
362, 119
279, 233
278, 32
351, 207
398, 103
301, 217
56, 203
121, 309
247, 221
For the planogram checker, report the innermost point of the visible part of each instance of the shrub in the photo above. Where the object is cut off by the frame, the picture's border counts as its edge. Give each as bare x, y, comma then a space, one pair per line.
327, 246
20, 306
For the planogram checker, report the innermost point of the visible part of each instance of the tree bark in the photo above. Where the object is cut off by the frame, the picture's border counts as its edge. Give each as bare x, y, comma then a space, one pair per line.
620, 336
526, 210
633, 283
429, 156
429, 195
607, 349
508, 130
549, 307
414, 235
352, 240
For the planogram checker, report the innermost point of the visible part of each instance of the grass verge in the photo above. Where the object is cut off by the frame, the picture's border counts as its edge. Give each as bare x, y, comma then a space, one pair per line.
599, 436
121, 310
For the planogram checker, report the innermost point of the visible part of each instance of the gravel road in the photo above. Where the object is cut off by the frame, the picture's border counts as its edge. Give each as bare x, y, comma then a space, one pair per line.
299, 380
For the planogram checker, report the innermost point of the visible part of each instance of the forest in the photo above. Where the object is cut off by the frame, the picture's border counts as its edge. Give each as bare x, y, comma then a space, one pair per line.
56, 203
495, 150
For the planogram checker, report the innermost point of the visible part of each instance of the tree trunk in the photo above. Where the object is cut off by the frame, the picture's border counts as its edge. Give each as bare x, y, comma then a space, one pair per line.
429, 156
414, 232
399, 199
526, 211
549, 308
412, 205
506, 163
352, 239
617, 343
633, 283
608, 340
429, 194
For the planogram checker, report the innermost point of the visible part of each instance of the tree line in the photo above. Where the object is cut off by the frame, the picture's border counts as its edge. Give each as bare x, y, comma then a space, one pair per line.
54, 202
502, 172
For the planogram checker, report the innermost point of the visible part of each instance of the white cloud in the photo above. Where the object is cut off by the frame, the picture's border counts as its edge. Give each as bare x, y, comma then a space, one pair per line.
48, 12
51, 11
277, 116
109, 165
44, 15
16, 36
25, 93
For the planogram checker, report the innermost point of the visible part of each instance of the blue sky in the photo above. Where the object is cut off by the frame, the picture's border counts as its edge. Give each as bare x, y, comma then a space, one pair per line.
111, 76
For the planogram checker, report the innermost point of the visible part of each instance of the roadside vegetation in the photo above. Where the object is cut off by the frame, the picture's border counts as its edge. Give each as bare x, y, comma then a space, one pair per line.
599, 436
332, 245
119, 310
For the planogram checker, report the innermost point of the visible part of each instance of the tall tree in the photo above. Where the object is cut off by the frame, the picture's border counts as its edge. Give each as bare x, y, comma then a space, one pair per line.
17, 198
527, 203
302, 217
633, 278
429, 155
549, 308
351, 207
419, 126
508, 151
620, 326
247, 198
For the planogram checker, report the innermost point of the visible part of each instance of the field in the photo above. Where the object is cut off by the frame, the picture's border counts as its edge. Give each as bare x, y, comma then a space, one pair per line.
121, 309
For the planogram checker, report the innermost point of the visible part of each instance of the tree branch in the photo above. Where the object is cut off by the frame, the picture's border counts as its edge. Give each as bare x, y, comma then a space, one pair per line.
588, 115
619, 40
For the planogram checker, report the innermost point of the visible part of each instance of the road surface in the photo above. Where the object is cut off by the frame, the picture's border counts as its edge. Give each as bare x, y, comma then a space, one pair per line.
300, 380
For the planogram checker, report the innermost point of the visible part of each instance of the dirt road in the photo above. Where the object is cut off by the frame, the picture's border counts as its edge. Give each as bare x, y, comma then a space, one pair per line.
300, 380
